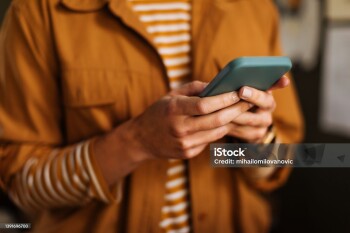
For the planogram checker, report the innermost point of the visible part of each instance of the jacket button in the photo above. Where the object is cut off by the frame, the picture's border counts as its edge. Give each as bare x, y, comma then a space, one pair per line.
202, 216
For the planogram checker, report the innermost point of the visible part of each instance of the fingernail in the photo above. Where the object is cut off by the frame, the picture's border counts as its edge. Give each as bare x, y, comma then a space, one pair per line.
247, 93
235, 96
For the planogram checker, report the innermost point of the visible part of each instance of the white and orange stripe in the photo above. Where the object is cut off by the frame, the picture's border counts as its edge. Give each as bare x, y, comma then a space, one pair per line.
65, 177
169, 24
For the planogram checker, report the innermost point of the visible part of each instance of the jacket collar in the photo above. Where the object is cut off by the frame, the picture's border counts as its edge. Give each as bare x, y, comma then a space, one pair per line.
206, 18
84, 5
93, 5
118, 8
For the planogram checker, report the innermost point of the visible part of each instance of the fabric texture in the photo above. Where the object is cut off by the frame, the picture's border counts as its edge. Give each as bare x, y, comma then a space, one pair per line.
72, 70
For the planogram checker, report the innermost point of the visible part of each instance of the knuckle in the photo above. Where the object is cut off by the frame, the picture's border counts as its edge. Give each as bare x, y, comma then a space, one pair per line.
177, 131
259, 134
256, 95
221, 132
195, 85
226, 100
201, 107
219, 120
250, 121
184, 144
172, 106
192, 85
196, 82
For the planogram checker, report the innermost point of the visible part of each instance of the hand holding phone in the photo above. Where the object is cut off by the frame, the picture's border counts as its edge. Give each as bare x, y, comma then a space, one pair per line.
256, 75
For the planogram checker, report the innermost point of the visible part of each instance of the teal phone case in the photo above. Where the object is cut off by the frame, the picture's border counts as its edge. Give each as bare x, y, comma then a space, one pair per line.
257, 72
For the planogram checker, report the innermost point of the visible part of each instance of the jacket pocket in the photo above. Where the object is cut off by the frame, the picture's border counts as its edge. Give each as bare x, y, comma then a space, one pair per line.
94, 101
91, 87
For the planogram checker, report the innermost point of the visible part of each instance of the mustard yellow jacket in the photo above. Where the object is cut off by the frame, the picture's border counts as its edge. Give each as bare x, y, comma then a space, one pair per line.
74, 69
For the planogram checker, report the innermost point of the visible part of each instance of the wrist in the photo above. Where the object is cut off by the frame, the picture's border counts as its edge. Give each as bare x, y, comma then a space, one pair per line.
117, 154
128, 137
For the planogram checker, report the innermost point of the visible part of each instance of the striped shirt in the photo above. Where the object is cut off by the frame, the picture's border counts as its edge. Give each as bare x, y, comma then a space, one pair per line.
168, 22
64, 177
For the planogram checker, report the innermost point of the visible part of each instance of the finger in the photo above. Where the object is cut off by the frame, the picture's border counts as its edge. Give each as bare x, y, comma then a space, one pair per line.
258, 119
192, 152
190, 89
259, 98
203, 137
281, 83
247, 133
216, 119
195, 106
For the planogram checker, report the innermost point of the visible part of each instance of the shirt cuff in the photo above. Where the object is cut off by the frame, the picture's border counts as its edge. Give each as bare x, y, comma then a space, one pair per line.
99, 186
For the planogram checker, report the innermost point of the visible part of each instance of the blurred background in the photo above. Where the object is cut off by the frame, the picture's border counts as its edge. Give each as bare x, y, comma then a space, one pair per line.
316, 35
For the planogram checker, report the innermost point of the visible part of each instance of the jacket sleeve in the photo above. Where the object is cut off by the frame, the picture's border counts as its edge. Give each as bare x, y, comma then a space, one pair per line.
37, 169
287, 119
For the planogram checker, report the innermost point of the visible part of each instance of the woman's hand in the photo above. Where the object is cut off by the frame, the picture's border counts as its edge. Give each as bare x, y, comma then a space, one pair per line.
181, 125
252, 126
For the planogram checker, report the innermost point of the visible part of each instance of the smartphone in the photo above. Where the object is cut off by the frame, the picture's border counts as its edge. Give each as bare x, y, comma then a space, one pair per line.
257, 72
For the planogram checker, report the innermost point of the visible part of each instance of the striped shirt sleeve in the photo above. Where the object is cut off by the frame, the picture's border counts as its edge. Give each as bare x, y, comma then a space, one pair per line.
64, 177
